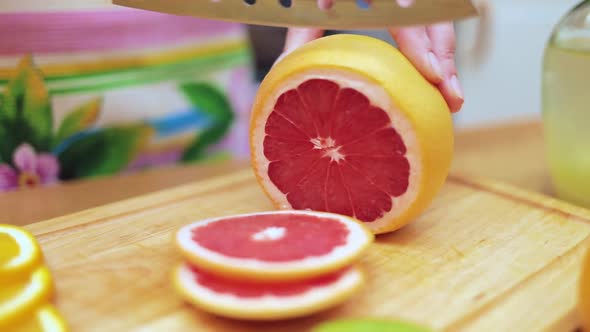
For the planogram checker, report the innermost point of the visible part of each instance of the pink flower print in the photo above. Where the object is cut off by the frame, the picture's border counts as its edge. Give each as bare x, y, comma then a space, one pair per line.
31, 169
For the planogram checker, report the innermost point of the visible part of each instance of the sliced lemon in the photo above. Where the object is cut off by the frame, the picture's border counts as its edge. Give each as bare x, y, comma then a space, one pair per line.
19, 253
46, 319
21, 298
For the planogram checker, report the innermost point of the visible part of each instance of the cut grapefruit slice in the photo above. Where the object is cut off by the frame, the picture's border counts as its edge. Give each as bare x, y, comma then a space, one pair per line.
346, 124
259, 301
276, 245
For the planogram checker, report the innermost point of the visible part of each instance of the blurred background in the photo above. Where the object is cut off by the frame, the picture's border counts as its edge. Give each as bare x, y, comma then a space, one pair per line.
147, 90
499, 57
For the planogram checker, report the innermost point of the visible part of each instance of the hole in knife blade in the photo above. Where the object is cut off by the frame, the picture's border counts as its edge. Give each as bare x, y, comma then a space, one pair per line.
285, 3
250, 2
363, 4
405, 3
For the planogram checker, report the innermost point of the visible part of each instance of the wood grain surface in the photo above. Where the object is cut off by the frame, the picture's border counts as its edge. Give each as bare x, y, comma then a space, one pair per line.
512, 153
31, 205
484, 257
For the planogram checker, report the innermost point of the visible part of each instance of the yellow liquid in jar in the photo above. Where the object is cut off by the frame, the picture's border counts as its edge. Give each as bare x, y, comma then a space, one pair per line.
566, 112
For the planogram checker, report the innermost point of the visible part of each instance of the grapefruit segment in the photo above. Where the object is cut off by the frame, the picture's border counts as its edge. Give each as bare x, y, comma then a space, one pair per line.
258, 301
279, 245
360, 133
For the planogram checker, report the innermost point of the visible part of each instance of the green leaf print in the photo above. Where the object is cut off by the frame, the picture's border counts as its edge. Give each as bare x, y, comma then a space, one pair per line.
3, 137
78, 120
25, 112
101, 153
212, 101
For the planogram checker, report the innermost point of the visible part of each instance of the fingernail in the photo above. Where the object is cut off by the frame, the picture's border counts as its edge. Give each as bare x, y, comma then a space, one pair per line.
435, 65
456, 86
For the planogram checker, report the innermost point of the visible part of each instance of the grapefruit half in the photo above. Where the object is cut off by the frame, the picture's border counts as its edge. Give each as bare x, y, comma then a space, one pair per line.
260, 301
346, 124
275, 245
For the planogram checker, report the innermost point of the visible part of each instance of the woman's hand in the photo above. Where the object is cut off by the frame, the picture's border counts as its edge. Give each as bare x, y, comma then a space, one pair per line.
431, 49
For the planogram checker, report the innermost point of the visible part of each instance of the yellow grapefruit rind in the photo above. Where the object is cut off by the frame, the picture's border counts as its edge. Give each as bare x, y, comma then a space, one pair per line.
29, 257
240, 271
419, 101
38, 290
272, 312
584, 293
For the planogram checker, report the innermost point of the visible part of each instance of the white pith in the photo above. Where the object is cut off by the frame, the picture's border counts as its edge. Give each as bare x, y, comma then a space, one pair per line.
328, 144
357, 239
379, 98
26, 247
267, 305
48, 318
270, 234
34, 291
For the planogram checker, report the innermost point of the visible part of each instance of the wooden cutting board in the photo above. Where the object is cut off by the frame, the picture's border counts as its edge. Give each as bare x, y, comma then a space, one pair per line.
483, 257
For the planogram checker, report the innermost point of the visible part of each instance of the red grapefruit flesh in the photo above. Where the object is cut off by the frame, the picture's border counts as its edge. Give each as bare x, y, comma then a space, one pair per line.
328, 148
258, 301
279, 245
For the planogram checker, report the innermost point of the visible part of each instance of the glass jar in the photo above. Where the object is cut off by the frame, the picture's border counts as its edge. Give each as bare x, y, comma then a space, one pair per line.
566, 105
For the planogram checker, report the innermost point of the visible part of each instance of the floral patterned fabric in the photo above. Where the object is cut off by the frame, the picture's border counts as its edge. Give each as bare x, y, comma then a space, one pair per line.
87, 94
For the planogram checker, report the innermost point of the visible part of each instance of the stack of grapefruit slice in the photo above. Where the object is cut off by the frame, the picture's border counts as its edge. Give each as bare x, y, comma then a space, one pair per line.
270, 265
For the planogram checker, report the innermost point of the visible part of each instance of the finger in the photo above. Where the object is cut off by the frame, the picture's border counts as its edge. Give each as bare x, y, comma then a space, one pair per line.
325, 4
442, 37
415, 44
298, 36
